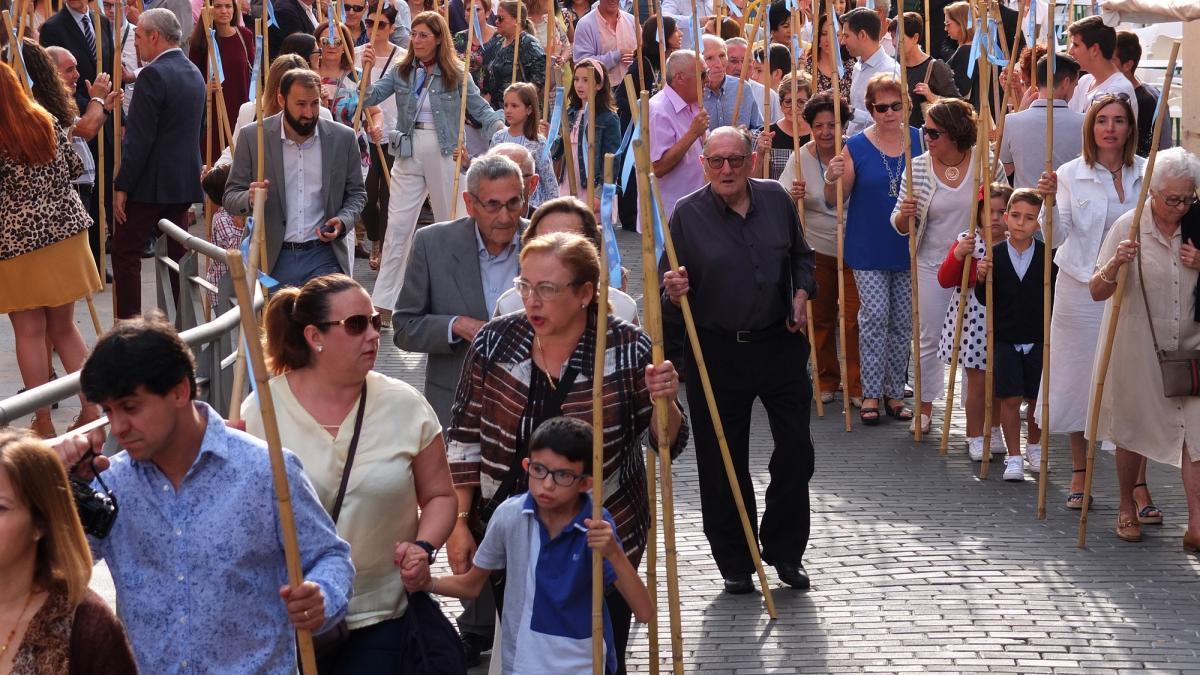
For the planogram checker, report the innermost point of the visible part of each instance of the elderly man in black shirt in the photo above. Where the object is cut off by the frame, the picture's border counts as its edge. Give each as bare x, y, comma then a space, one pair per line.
748, 273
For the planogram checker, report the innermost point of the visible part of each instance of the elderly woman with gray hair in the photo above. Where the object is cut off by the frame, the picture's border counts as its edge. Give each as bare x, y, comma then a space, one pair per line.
1156, 350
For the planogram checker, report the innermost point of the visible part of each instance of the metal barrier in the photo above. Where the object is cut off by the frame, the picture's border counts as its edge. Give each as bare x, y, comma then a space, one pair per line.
211, 342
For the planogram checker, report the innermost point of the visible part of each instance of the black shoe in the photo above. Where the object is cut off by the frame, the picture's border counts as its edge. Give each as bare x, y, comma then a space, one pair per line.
739, 585
472, 652
793, 575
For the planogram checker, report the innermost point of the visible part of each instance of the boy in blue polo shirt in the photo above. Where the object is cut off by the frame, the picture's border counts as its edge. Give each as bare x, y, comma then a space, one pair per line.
542, 538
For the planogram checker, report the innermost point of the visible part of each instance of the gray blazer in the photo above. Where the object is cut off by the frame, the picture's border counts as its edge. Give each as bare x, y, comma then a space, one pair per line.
442, 281
341, 182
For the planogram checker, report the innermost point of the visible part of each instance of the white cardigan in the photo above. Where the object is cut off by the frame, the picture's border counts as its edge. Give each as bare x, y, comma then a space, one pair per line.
924, 185
1081, 210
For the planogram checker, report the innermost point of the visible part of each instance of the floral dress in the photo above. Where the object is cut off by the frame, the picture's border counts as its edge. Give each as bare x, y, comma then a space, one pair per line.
498, 69
825, 82
344, 105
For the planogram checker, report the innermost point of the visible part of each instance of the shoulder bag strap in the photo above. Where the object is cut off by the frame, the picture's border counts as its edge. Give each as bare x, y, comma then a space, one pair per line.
1145, 301
358, 419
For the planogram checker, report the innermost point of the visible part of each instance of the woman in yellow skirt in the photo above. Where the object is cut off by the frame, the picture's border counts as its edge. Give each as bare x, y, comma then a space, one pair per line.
45, 262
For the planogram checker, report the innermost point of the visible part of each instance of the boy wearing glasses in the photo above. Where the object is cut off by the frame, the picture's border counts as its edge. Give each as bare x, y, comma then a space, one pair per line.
549, 532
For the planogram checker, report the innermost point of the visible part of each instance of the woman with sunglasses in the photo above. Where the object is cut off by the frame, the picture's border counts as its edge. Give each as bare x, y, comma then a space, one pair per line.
871, 168
374, 215
498, 70
1092, 191
1160, 310
428, 95
527, 367
939, 205
339, 415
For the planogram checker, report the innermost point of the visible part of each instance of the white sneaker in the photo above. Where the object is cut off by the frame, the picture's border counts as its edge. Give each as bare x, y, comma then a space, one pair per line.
1033, 455
975, 448
998, 446
1013, 469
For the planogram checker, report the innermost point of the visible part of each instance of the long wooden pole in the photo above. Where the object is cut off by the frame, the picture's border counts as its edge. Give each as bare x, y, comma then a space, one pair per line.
551, 50
1047, 270
745, 72
598, 450
570, 146
210, 102
662, 50
981, 146
841, 228
652, 558
462, 121
699, 57
589, 162
713, 412
928, 46
906, 100
766, 95
283, 500
516, 42
796, 162
101, 175
1101, 372
956, 346
118, 76
1008, 70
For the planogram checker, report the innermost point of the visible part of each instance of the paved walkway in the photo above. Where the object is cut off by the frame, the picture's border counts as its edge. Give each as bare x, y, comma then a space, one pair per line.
917, 566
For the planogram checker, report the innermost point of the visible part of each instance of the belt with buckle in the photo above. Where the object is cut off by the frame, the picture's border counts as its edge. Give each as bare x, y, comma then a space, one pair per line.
300, 245
425, 125
749, 336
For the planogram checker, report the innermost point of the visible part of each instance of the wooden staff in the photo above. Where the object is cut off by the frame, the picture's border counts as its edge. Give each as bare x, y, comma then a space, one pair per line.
1008, 70
101, 179
841, 225
462, 120
981, 145
928, 46
1101, 372
652, 559
24, 17
13, 61
516, 42
91, 305
662, 51
1047, 270
808, 308
598, 450
210, 103
283, 500
906, 110
118, 76
641, 67
569, 146
654, 327
224, 130
589, 162
359, 112
737, 99
551, 50
766, 96
713, 411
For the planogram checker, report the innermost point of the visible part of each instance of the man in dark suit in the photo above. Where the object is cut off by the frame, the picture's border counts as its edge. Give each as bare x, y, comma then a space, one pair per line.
160, 166
293, 16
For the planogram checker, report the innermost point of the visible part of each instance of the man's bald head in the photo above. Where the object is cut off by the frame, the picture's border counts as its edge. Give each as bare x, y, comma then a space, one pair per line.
68, 67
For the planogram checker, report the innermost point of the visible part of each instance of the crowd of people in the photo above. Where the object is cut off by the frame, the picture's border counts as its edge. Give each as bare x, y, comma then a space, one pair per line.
458, 149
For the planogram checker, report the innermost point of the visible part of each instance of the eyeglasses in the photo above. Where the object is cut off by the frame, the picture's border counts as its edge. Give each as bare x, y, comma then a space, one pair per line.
355, 325
933, 134
787, 102
884, 107
545, 291
735, 161
370, 23
423, 35
356, 8
514, 205
1176, 201
562, 477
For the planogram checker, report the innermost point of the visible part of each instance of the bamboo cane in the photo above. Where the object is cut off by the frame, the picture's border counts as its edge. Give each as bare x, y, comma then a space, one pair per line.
462, 122
713, 412
956, 346
224, 130
812, 351
906, 99
24, 16
359, 111
745, 72
662, 50
91, 305
516, 42
1008, 87
101, 178
928, 46
641, 66
1048, 232
841, 229
13, 61
365, 79
589, 162
598, 451
551, 50
210, 103
283, 501
1101, 372
652, 559
766, 97
985, 75
117, 78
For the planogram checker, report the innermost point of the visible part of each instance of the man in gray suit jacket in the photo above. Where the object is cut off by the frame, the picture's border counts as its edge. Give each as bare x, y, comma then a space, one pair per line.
313, 180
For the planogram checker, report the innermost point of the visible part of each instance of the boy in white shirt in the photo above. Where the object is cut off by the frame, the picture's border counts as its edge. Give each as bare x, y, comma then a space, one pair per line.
1092, 46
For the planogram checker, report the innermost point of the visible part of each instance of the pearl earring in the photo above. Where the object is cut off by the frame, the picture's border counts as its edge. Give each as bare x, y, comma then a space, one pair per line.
320, 348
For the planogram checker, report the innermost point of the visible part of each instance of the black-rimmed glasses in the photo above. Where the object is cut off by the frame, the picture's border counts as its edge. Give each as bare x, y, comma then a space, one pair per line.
735, 161
562, 477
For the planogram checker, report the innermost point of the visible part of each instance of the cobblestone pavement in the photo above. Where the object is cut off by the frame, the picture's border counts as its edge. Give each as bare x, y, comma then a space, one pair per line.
917, 566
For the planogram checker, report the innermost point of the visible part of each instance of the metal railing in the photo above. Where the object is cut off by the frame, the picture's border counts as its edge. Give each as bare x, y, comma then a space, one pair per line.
212, 342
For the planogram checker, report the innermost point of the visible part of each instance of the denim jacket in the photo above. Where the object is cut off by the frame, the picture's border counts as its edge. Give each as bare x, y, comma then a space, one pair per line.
608, 139
444, 104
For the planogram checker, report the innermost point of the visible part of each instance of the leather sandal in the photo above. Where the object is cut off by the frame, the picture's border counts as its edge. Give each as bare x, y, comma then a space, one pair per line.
1148, 514
1128, 529
1075, 499
896, 408
869, 416
1191, 544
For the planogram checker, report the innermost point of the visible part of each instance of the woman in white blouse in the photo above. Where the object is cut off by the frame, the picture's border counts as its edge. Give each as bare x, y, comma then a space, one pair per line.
321, 345
1092, 191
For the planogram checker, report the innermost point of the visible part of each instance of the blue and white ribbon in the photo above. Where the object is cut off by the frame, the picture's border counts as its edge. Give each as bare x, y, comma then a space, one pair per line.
656, 214
837, 51
734, 10
256, 69
976, 45
627, 165
994, 52
608, 197
555, 122
478, 30
270, 14
216, 50
584, 157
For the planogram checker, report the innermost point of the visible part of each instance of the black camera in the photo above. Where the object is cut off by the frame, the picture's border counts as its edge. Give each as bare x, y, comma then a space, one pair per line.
97, 510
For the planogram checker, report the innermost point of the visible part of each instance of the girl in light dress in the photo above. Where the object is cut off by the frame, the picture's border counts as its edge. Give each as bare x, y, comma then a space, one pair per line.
525, 127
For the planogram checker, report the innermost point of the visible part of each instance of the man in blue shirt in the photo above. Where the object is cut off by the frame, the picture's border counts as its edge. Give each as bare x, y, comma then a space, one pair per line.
196, 553
720, 91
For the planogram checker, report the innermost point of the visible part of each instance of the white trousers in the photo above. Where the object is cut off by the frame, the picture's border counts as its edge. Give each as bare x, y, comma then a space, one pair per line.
426, 173
933, 301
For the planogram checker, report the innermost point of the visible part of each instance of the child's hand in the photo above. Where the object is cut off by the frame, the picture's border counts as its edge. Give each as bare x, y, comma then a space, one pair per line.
965, 247
981, 268
600, 537
544, 128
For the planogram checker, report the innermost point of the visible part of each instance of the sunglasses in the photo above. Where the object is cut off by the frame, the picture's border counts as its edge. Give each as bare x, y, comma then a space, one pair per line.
357, 324
355, 8
735, 161
370, 23
884, 107
933, 134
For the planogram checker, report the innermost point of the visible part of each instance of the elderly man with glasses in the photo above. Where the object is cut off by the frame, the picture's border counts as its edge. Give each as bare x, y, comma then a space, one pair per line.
748, 273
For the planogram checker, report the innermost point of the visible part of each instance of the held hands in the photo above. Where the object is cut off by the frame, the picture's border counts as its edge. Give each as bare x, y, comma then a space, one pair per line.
662, 381
413, 562
305, 605
1048, 183
676, 283
797, 191
1190, 256
799, 318
964, 248
601, 538
330, 230
460, 548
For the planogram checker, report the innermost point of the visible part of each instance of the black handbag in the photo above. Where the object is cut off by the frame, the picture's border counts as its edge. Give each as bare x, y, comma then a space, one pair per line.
431, 645
329, 641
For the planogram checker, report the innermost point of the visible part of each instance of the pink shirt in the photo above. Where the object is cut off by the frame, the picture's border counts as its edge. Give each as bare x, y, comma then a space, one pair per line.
670, 118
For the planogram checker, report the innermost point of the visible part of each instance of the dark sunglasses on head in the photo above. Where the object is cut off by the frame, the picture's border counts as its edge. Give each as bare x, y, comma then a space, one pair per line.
355, 325
884, 107
933, 134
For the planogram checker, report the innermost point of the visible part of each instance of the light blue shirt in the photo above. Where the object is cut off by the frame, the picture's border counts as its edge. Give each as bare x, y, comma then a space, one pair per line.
304, 203
497, 273
719, 105
864, 70
198, 570
1021, 260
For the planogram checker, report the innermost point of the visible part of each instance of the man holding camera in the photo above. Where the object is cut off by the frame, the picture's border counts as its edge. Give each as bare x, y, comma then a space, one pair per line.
195, 549
314, 184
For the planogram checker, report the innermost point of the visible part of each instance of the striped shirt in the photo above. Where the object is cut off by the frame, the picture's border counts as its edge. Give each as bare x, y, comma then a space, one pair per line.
501, 393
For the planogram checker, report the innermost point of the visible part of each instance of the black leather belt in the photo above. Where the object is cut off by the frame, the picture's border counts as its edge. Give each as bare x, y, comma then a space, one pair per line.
748, 336
301, 245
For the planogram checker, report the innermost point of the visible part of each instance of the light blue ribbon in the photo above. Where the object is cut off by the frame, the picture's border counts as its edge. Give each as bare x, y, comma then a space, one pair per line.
329, 31
1032, 29
734, 10
342, 11
975, 46
837, 50
627, 166
608, 197
583, 144
247, 235
995, 53
478, 31
256, 69
555, 122
656, 214
216, 50
271, 14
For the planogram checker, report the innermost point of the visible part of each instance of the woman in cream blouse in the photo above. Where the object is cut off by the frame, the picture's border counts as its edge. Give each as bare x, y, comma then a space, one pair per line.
321, 345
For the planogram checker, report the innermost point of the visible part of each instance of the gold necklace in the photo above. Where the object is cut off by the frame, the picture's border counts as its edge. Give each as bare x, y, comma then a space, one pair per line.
952, 172
12, 633
537, 341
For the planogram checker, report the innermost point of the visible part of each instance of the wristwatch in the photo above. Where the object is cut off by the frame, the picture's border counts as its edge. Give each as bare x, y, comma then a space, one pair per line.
429, 548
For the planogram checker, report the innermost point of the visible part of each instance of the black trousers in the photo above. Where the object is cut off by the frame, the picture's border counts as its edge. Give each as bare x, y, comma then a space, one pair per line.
774, 371
375, 213
374, 649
